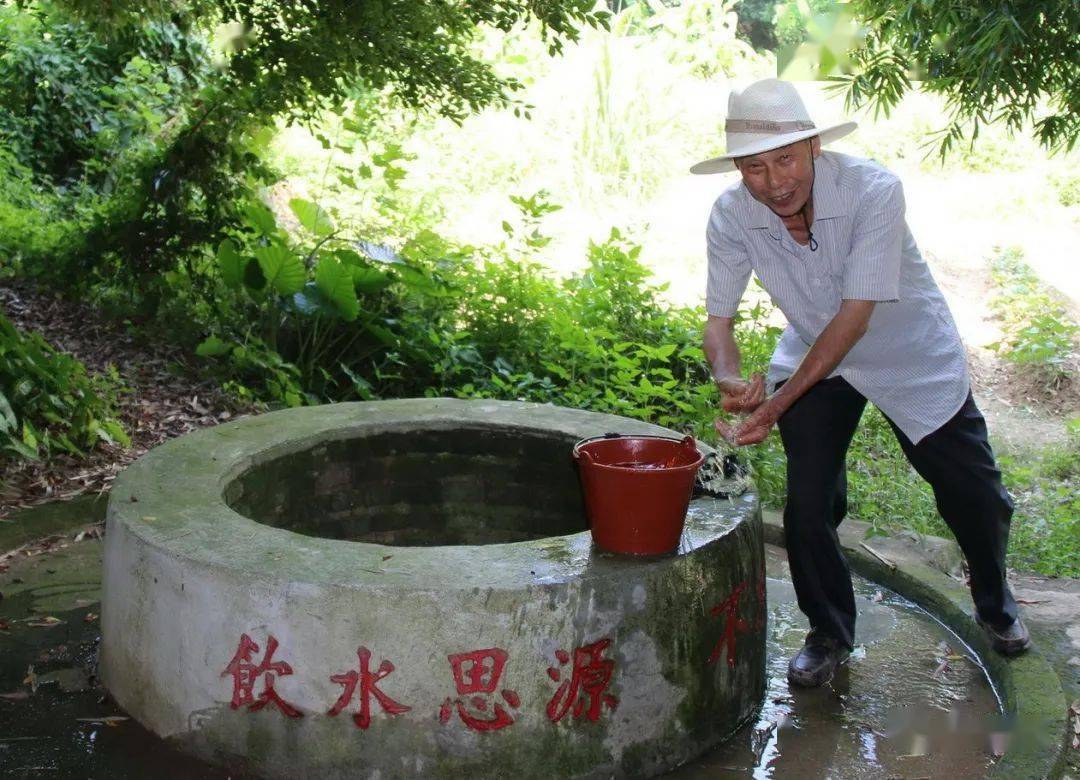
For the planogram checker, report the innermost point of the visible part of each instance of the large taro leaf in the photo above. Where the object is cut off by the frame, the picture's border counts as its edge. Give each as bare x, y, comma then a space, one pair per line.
231, 264
335, 281
282, 269
254, 278
418, 280
366, 279
312, 216
369, 280
311, 301
378, 252
258, 216
409, 275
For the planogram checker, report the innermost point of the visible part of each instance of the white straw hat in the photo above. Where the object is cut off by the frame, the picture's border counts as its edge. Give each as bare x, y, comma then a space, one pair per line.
766, 115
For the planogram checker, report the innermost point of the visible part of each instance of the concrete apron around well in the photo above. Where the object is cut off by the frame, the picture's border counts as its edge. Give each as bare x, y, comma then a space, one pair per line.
240, 621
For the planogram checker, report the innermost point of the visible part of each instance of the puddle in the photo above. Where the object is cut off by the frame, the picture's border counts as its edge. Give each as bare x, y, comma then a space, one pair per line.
66, 727
911, 702
850, 729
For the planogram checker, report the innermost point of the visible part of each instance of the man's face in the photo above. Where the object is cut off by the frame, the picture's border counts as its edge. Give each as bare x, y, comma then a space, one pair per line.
781, 178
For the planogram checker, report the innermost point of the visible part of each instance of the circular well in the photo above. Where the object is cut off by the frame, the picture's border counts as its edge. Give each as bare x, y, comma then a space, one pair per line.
472, 485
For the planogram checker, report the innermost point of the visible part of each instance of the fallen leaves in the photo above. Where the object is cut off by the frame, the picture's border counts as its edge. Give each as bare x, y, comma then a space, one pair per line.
881, 558
45, 622
50, 544
31, 679
163, 397
1074, 711
96, 531
946, 654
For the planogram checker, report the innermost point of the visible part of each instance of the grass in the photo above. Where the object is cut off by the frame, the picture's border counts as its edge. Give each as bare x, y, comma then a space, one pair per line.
1040, 334
1045, 487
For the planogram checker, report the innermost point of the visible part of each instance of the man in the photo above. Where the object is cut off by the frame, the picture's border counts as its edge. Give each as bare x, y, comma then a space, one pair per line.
826, 235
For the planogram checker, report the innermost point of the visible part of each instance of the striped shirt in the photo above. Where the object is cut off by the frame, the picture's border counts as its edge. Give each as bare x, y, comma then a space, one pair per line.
910, 363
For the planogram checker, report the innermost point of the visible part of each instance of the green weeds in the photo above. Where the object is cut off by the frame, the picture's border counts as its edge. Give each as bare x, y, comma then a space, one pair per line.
1046, 525
1039, 333
48, 403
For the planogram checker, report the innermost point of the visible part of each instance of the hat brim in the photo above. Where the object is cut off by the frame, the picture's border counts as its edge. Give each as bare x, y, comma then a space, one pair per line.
726, 162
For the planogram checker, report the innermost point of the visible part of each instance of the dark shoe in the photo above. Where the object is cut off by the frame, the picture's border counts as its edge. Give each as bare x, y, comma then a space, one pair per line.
816, 663
1008, 641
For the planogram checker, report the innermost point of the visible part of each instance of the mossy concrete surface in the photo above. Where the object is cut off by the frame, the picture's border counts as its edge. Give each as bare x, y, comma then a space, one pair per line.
534, 658
921, 569
59, 517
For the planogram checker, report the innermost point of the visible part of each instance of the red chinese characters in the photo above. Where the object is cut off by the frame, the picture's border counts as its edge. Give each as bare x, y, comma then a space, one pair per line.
368, 688
733, 625
245, 674
476, 676
589, 678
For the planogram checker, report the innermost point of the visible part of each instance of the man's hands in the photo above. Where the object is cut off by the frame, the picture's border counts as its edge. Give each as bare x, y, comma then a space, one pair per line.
739, 395
745, 397
835, 341
754, 429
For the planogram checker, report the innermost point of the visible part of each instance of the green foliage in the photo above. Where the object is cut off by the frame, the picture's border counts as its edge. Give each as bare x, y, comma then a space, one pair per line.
1045, 487
297, 59
154, 142
757, 22
1012, 62
32, 222
48, 403
1067, 187
1039, 332
90, 118
793, 18
77, 104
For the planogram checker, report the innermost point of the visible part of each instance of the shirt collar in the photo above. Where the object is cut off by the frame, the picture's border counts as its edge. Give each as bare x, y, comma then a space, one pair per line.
827, 201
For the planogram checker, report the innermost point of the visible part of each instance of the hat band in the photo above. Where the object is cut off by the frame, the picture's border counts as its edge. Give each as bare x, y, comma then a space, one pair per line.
766, 126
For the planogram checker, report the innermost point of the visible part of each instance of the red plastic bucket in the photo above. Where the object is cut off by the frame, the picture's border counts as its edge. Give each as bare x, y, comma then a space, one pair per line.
637, 489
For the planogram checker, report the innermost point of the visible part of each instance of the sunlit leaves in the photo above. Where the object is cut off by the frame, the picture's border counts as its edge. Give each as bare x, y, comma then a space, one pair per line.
48, 402
335, 281
230, 264
260, 217
213, 347
312, 216
281, 268
1012, 62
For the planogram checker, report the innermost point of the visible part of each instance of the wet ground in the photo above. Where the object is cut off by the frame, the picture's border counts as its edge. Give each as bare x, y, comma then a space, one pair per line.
912, 701
903, 707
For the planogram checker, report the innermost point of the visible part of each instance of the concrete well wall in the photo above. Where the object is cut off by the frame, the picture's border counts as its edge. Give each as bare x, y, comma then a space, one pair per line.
285, 653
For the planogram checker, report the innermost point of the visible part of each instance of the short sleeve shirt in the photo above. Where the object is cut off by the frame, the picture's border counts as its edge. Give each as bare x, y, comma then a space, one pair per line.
910, 363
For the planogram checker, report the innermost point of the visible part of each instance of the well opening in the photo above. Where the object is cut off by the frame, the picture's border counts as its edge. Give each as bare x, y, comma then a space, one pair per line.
468, 485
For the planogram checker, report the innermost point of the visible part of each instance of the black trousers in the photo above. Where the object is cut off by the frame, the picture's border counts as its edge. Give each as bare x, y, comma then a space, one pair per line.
956, 460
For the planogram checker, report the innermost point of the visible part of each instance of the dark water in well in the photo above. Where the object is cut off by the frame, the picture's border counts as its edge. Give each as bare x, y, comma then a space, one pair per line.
55, 721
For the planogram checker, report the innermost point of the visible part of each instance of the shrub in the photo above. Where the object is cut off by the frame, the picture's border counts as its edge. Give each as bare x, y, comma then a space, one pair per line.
48, 403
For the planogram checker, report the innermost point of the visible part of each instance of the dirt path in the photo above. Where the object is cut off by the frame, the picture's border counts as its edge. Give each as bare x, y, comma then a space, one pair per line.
163, 398
1022, 413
